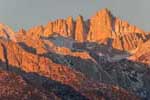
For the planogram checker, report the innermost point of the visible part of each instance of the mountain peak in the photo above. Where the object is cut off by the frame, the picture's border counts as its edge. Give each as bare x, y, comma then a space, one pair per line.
98, 28
6, 31
22, 31
37, 30
105, 10
7, 28
70, 57
70, 18
100, 25
80, 29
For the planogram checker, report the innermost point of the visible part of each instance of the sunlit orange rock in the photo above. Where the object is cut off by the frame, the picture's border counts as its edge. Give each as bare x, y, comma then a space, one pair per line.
80, 29
48, 29
142, 53
100, 25
36, 31
128, 41
124, 27
6, 32
104, 25
33, 51
70, 26
59, 26
23, 31
29, 62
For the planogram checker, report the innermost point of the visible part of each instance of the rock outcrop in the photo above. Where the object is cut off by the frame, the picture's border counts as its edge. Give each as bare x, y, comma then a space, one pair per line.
22, 31
142, 53
100, 26
70, 27
61, 26
129, 41
80, 57
14, 87
121, 26
6, 32
36, 31
16, 56
104, 25
21, 61
80, 30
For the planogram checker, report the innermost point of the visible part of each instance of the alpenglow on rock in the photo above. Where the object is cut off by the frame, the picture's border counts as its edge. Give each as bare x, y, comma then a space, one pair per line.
99, 28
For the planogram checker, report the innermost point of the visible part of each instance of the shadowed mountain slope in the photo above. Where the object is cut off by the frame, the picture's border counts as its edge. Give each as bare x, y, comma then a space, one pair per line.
102, 58
88, 90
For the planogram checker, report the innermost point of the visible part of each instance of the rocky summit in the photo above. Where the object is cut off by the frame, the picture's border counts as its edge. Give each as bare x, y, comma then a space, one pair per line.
101, 58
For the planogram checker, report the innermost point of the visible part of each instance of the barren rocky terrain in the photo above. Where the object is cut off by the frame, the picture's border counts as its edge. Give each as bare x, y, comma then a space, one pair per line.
102, 58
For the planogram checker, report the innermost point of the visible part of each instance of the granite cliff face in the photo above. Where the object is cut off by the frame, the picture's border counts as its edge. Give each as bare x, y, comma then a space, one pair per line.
104, 25
80, 30
103, 57
64, 27
6, 32
14, 55
38, 70
142, 53
129, 42
99, 28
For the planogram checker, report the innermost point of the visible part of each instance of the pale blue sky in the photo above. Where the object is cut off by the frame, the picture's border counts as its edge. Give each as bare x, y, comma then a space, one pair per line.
28, 13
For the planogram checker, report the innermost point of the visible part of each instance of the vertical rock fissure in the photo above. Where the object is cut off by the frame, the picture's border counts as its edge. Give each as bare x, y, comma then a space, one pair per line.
5, 56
